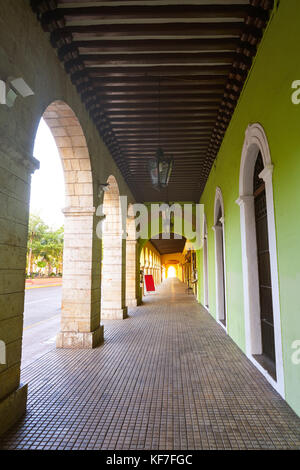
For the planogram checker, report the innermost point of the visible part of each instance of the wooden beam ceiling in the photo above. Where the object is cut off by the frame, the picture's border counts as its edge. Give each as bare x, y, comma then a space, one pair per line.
168, 246
165, 73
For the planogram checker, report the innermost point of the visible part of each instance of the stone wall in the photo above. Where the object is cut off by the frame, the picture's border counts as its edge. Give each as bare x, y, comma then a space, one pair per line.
25, 52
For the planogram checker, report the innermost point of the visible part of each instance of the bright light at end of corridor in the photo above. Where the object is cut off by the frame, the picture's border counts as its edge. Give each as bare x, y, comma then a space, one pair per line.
171, 272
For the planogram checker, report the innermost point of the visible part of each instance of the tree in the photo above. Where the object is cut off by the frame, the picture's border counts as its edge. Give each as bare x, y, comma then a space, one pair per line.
36, 230
45, 246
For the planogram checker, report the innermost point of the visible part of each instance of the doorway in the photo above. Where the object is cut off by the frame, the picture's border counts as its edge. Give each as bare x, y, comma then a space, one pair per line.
267, 358
220, 260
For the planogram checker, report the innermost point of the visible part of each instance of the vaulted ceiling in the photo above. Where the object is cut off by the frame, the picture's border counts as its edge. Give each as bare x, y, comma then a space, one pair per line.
160, 72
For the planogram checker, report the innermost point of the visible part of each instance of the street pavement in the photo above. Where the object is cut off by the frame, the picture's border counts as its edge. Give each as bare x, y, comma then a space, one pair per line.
41, 322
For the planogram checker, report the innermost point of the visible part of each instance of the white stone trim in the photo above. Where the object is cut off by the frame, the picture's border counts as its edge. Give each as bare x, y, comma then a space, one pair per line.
205, 267
255, 141
221, 288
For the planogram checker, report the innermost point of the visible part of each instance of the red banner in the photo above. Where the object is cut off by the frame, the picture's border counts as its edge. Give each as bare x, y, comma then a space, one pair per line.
150, 287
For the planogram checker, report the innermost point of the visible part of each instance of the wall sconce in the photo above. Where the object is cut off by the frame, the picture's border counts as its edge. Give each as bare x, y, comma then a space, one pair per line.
10, 90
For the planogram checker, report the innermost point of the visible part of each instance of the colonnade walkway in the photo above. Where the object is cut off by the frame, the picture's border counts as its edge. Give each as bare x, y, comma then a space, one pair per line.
168, 377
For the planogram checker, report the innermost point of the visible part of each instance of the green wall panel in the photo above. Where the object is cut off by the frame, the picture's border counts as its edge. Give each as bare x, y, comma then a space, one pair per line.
266, 99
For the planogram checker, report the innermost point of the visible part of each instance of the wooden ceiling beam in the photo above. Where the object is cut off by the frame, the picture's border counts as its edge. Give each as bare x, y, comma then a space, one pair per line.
151, 126
180, 158
166, 121
152, 131
155, 30
152, 115
198, 151
146, 80
125, 60
148, 135
155, 45
216, 97
144, 90
168, 148
118, 53
165, 107
146, 140
158, 71
110, 14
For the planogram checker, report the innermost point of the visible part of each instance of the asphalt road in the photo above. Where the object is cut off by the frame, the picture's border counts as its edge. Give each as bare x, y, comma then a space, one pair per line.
41, 322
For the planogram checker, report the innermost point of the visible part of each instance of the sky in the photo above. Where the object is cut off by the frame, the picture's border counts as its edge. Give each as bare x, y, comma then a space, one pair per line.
47, 185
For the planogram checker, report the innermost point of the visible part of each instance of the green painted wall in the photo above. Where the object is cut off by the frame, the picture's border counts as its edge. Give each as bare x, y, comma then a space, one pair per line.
266, 99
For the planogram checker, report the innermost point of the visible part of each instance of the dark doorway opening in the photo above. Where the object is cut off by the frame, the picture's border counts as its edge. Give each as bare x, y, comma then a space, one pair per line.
267, 358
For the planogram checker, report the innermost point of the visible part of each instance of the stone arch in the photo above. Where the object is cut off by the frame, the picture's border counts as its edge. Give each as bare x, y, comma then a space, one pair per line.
220, 268
74, 153
114, 255
256, 142
80, 320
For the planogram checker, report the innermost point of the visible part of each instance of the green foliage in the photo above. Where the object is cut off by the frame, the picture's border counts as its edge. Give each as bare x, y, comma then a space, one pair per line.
45, 246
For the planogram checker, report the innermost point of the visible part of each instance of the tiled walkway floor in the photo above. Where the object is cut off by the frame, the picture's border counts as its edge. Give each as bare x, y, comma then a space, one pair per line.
166, 378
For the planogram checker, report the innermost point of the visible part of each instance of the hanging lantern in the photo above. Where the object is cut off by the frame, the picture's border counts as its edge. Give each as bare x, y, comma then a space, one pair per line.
160, 170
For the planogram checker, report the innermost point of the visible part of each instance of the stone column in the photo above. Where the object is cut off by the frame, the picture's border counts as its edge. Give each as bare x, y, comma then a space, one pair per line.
15, 175
80, 321
113, 278
132, 297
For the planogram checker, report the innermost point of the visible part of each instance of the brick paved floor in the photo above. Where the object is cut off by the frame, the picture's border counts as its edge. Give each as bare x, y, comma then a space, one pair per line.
166, 378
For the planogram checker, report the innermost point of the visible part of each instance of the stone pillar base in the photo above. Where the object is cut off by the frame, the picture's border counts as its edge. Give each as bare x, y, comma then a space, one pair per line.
77, 340
12, 408
133, 302
114, 314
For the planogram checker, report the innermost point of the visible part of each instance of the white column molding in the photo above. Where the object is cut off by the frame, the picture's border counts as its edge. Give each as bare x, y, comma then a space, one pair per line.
205, 266
250, 276
267, 173
220, 260
255, 141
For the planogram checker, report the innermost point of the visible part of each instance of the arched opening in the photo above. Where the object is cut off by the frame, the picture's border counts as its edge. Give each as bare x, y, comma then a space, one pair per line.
172, 272
43, 293
220, 259
133, 295
259, 256
173, 249
113, 287
150, 264
264, 271
80, 317
146, 261
205, 266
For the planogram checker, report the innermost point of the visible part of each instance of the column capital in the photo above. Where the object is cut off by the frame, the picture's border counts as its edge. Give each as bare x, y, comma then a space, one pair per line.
78, 211
18, 155
217, 228
31, 163
131, 240
243, 200
267, 173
